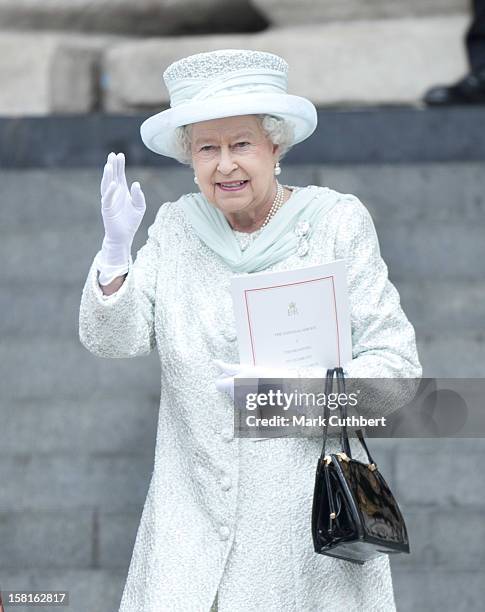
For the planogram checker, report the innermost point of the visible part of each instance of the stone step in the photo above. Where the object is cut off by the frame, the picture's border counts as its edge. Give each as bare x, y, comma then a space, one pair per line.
413, 251
433, 307
61, 73
287, 13
347, 136
434, 589
424, 192
353, 69
55, 481
384, 450
414, 589
48, 73
81, 538
49, 367
70, 198
440, 307
87, 587
145, 17
436, 252
117, 531
428, 537
420, 462
49, 539
100, 423
421, 193
453, 355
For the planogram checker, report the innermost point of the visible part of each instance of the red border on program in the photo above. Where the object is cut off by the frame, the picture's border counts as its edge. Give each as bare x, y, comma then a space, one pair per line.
248, 316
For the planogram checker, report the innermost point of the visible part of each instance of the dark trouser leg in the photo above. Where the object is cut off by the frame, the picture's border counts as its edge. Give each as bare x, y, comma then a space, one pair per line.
475, 38
471, 88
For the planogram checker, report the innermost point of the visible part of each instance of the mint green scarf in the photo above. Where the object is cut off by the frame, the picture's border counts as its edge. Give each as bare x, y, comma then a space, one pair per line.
277, 240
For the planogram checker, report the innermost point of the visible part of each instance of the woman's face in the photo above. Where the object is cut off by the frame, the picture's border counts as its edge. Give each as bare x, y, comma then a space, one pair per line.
234, 162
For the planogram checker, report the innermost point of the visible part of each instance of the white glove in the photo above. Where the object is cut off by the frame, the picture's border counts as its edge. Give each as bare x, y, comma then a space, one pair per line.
122, 212
225, 381
230, 371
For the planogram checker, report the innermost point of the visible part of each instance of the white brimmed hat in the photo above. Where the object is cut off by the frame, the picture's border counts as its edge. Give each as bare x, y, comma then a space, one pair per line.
226, 83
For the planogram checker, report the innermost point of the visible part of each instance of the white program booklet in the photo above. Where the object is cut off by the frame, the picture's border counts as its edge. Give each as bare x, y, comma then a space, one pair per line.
294, 318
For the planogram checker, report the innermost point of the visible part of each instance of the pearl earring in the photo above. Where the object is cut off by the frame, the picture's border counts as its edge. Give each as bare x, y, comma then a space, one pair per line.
196, 180
277, 169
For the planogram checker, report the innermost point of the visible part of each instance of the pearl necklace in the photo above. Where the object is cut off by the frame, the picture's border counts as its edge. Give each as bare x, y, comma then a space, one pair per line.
246, 239
277, 203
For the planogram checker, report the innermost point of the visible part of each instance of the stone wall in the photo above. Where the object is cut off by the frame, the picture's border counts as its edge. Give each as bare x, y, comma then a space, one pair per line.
78, 432
335, 58
140, 18
165, 17
332, 64
289, 13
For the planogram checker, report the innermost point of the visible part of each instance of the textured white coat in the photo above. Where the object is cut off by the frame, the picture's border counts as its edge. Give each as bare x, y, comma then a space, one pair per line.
222, 513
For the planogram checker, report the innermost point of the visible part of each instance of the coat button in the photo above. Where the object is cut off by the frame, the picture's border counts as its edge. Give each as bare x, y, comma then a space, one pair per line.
226, 483
227, 435
224, 532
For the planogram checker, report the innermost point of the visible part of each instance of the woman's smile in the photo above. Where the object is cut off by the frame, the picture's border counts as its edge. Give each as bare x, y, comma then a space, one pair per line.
232, 185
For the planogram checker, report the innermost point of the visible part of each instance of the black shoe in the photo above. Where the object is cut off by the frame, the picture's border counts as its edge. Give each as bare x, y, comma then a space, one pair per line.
470, 90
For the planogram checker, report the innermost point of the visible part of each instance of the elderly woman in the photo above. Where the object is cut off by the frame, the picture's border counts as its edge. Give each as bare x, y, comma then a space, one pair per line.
226, 522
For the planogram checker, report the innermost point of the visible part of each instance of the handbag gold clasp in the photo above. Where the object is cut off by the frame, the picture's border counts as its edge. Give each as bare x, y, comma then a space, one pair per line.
372, 467
343, 456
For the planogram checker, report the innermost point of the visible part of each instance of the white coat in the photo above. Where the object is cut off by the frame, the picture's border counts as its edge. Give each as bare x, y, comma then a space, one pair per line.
225, 514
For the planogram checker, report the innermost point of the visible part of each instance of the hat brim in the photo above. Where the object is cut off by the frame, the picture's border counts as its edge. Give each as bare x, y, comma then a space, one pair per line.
158, 131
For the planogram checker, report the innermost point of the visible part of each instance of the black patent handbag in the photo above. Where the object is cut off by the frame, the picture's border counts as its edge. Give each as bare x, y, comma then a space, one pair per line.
355, 516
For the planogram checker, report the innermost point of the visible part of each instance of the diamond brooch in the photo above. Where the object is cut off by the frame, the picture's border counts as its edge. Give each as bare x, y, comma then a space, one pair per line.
302, 228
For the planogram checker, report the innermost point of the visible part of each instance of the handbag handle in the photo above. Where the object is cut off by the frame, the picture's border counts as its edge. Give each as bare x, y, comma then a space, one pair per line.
344, 437
328, 388
341, 389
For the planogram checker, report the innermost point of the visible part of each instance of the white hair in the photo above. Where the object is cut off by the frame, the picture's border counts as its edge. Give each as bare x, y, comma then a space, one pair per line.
279, 132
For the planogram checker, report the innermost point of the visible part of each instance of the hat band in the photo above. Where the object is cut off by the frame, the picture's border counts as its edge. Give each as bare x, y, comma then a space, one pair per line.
237, 82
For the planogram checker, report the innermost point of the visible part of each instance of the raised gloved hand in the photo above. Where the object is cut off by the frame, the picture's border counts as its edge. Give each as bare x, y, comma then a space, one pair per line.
122, 210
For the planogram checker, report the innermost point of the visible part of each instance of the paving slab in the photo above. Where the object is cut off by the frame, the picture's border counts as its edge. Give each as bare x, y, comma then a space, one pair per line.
286, 12
48, 73
333, 64
141, 18
96, 590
